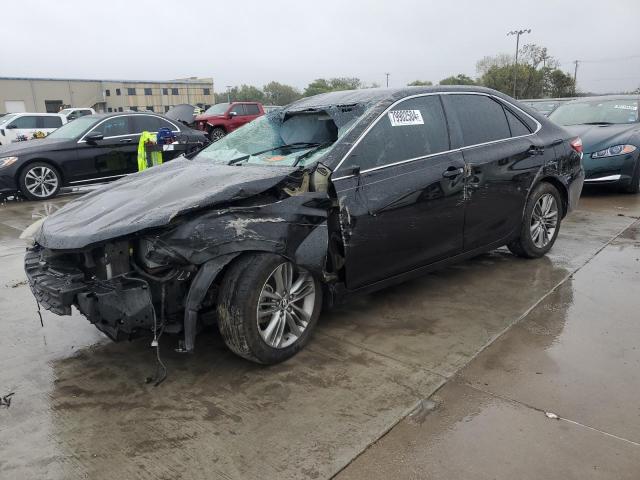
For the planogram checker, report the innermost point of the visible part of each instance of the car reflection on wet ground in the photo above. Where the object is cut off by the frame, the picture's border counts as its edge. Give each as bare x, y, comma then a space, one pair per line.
483, 349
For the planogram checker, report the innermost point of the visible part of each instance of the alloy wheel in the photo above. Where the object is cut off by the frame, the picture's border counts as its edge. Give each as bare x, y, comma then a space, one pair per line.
285, 305
41, 181
544, 220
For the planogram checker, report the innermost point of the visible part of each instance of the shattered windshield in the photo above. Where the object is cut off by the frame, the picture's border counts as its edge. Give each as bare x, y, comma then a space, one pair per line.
278, 139
218, 109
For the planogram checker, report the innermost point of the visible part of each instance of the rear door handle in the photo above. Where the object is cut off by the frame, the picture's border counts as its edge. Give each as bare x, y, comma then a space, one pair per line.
452, 172
126, 140
535, 150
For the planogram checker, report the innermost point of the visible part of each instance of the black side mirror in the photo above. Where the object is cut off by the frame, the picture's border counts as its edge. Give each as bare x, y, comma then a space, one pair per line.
94, 137
10, 127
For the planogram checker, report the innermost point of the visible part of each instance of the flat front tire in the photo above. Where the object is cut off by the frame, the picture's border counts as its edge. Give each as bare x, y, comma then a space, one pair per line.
540, 222
40, 181
267, 307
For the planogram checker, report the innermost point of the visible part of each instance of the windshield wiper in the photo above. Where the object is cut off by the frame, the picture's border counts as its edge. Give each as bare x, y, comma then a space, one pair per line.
311, 151
597, 123
288, 145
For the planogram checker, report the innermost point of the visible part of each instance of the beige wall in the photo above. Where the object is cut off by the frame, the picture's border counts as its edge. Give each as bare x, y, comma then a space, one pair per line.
82, 93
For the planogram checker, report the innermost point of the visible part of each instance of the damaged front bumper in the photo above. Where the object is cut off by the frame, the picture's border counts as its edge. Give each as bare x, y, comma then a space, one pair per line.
120, 307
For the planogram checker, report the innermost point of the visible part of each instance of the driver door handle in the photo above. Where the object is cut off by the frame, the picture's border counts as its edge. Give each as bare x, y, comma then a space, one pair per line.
452, 172
126, 140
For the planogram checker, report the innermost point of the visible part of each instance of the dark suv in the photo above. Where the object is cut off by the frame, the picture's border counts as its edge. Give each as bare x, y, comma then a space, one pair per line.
336, 194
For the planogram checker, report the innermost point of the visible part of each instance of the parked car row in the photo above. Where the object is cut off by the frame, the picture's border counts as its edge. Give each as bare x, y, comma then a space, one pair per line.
338, 194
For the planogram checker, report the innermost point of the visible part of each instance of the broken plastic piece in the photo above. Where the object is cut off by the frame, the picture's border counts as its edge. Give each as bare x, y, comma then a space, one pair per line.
552, 415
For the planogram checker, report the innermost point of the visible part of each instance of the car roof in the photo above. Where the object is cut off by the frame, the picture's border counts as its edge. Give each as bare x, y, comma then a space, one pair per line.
118, 114
606, 97
35, 113
377, 95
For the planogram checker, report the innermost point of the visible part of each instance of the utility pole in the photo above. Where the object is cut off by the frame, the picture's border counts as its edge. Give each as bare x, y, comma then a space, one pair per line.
575, 75
387, 74
229, 93
517, 33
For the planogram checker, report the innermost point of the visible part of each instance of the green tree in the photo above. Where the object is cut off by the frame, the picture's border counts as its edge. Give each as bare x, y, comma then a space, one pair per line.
460, 79
279, 94
248, 93
322, 85
420, 83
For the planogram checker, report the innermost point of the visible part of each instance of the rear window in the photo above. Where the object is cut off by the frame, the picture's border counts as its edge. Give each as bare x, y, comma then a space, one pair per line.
50, 122
481, 119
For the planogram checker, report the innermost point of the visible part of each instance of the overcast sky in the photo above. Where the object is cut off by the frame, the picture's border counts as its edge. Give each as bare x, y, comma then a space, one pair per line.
295, 41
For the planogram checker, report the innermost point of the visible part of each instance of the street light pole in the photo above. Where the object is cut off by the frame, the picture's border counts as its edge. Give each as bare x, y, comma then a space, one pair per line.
575, 75
517, 33
229, 93
387, 74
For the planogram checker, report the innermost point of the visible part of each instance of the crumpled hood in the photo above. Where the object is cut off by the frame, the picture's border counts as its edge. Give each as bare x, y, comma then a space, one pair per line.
152, 199
598, 137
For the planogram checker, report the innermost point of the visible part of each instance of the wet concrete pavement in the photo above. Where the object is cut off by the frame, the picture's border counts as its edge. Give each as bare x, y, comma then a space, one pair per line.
506, 337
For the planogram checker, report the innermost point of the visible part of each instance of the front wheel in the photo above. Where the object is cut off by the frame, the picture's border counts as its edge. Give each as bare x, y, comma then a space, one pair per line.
540, 222
634, 186
216, 134
267, 308
40, 181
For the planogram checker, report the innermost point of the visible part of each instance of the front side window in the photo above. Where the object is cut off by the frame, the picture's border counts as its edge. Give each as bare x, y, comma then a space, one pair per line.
26, 121
114, 127
50, 122
217, 109
596, 112
238, 110
414, 128
74, 130
481, 119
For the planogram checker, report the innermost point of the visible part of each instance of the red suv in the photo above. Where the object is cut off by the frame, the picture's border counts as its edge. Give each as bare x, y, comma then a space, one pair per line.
223, 118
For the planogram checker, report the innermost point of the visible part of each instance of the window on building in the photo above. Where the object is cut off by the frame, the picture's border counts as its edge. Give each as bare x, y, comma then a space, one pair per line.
107, 92
150, 108
165, 91
120, 109
147, 91
166, 108
118, 91
131, 91
174, 91
109, 109
414, 128
134, 109
206, 91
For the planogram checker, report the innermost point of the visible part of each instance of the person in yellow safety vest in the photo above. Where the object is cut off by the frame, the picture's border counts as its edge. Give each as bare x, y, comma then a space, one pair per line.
156, 157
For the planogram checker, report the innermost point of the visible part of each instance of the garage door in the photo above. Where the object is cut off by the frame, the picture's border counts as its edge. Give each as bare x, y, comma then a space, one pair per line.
14, 106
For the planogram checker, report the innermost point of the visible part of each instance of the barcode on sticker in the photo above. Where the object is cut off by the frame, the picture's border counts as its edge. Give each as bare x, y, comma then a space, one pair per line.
399, 118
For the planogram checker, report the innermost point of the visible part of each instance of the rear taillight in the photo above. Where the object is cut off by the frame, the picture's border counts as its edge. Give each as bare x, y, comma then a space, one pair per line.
576, 144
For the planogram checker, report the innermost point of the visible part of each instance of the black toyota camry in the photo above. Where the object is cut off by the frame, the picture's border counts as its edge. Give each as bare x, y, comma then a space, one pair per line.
336, 194
94, 148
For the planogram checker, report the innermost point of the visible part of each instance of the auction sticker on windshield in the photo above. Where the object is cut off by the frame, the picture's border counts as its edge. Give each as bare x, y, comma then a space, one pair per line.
400, 118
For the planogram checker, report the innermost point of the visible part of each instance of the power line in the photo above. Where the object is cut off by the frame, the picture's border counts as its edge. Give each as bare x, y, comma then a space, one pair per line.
604, 60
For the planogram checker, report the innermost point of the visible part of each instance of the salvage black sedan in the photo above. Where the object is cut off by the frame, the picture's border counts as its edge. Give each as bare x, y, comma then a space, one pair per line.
94, 148
610, 130
336, 194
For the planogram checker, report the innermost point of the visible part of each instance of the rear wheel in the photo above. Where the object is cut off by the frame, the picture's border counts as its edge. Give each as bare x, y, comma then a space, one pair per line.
216, 134
40, 181
267, 308
540, 223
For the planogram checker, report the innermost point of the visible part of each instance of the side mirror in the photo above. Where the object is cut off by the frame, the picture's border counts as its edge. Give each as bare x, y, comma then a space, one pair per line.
354, 170
232, 114
10, 127
94, 137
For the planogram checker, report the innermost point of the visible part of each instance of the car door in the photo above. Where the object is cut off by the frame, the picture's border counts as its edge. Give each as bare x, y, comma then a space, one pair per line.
115, 155
502, 156
153, 123
405, 209
238, 117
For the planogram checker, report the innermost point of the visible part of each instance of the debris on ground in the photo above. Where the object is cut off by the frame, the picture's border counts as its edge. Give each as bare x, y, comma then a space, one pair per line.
16, 284
552, 415
6, 400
